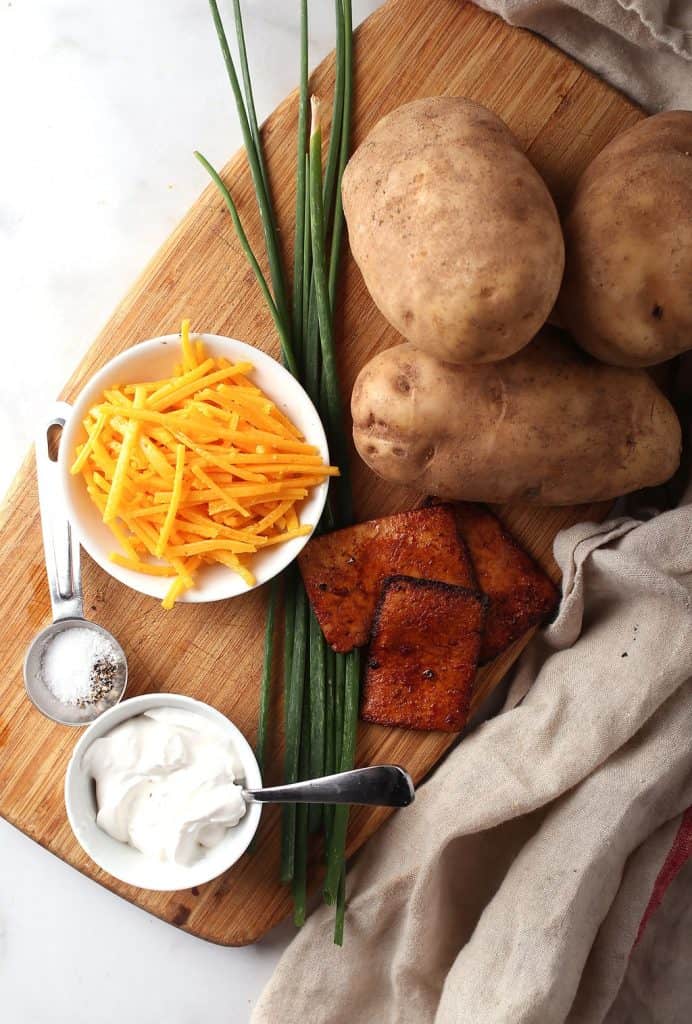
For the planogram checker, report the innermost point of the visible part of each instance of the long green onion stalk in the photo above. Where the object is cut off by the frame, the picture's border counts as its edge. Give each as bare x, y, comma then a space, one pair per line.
294, 696
321, 688
284, 337
334, 411
265, 686
255, 158
299, 254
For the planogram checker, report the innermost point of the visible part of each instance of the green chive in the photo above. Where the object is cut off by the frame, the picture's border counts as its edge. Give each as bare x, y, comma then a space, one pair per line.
286, 348
339, 709
329, 744
247, 88
324, 315
261, 191
309, 351
318, 657
340, 909
298, 254
294, 714
266, 684
300, 871
334, 154
337, 846
338, 230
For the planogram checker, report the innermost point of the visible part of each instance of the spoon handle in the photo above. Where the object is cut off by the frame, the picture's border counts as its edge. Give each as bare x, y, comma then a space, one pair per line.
382, 785
60, 545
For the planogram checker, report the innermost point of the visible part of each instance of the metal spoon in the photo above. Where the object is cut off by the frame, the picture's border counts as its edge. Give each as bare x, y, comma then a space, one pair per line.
382, 785
61, 549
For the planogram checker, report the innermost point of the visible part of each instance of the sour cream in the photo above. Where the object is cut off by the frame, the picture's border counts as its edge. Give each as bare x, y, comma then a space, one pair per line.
166, 783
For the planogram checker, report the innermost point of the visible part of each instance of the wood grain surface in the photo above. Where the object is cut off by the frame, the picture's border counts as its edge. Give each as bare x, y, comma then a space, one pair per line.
563, 117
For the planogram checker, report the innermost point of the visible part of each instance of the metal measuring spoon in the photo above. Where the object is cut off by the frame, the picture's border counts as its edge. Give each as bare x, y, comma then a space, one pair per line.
381, 785
61, 549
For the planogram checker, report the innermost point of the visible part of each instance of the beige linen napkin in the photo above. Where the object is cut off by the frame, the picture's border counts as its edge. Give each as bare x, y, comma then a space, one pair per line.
513, 889
643, 47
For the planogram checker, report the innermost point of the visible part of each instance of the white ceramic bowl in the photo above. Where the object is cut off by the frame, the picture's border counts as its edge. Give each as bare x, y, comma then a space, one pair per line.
152, 360
123, 861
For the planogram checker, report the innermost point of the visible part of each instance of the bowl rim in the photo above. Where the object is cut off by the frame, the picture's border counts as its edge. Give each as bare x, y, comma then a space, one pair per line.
152, 586
194, 874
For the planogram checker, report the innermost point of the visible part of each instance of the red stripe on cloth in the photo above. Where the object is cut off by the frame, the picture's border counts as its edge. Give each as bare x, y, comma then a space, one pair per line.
678, 855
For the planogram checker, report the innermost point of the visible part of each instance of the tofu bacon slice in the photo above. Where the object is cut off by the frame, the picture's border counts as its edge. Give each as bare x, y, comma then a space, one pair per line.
520, 593
344, 571
423, 656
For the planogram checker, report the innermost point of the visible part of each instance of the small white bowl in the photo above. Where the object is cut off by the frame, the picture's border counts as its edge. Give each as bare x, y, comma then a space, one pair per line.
123, 861
152, 360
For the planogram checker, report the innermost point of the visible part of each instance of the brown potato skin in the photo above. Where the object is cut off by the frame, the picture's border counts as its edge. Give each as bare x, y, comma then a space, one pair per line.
550, 425
454, 231
626, 295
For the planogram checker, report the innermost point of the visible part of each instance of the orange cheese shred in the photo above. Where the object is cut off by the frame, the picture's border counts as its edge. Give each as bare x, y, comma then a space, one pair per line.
196, 469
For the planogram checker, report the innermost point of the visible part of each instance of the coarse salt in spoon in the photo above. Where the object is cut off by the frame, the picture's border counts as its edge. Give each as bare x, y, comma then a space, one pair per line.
74, 669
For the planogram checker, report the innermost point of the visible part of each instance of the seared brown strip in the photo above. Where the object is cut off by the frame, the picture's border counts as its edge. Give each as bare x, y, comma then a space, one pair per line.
423, 655
520, 594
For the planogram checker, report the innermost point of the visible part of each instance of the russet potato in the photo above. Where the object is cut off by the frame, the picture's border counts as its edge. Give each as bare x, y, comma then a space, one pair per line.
627, 292
550, 425
454, 231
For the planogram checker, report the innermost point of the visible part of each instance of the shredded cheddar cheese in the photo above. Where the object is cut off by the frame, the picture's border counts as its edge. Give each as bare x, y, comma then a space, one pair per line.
195, 469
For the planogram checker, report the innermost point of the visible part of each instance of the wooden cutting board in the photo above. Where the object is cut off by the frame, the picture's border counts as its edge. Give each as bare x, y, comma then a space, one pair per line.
563, 116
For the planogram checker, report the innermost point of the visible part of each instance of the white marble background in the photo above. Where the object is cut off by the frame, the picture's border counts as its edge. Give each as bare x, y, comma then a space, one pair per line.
101, 105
